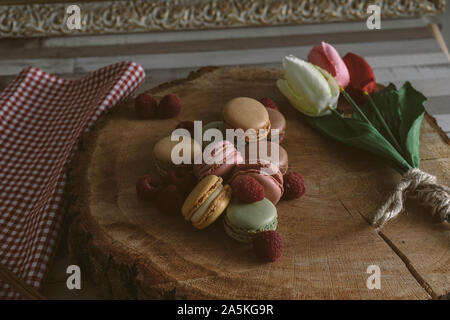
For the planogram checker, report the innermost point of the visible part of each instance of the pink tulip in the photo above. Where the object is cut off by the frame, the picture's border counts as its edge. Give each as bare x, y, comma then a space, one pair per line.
328, 58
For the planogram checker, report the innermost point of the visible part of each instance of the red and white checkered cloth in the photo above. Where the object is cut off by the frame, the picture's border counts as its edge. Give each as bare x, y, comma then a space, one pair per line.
41, 119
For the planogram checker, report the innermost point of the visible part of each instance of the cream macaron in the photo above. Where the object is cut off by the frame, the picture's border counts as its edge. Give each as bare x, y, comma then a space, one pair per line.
162, 152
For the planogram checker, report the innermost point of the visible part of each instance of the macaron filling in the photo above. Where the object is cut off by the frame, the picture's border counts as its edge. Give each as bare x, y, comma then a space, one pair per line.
259, 134
204, 207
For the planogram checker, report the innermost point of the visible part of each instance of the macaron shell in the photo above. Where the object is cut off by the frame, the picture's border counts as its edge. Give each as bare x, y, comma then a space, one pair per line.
271, 186
220, 170
260, 133
246, 236
245, 113
216, 208
277, 121
200, 194
213, 125
283, 160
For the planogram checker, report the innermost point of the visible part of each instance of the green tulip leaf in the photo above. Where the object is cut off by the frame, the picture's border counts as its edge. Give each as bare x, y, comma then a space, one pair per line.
359, 134
403, 112
412, 110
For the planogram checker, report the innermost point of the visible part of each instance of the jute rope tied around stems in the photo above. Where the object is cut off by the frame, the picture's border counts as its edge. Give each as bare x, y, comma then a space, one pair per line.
421, 185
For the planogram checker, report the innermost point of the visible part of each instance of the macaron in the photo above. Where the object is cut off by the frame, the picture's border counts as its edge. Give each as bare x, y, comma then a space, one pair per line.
162, 153
278, 122
219, 158
243, 221
282, 162
247, 113
206, 202
213, 125
266, 173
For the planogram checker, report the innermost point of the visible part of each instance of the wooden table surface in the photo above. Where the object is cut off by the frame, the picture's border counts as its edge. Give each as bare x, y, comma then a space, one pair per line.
398, 52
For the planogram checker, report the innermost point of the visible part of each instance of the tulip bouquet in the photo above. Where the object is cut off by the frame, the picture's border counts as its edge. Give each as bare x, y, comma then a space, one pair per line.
386, 123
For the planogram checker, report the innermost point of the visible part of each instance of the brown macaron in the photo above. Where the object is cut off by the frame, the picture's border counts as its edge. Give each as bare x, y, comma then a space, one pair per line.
247, 113
277, 122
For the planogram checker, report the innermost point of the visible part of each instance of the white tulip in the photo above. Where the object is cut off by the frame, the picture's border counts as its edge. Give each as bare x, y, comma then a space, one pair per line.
309, 88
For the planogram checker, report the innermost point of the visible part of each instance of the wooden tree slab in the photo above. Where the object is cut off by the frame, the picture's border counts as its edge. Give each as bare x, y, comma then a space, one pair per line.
134, 251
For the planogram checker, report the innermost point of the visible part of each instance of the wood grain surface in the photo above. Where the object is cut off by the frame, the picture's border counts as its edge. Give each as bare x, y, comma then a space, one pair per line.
132, 251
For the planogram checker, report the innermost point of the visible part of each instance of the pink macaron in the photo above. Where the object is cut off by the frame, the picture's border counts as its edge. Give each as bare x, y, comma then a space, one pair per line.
219, 158
282, 161
266, 173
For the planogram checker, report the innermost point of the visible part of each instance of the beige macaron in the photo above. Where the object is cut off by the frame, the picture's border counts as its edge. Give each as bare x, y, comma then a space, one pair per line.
162, 152
206, 202
247, 113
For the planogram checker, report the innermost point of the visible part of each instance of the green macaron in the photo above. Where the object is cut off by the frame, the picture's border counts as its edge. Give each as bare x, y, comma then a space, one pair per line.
244, 220
213, 125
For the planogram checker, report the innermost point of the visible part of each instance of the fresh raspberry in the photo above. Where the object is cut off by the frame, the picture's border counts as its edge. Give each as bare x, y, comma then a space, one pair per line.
269, 103
169, 200
188, 125
146, 106
169, 106
268, 245
294, 185
248, 189
148, 187
182, 178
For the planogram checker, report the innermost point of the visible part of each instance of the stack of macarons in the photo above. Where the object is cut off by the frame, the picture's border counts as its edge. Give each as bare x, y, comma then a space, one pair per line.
219, 179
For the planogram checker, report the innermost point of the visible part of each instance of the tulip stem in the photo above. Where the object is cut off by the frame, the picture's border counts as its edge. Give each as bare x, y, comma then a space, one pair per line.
335, 112
355, 106
384, 124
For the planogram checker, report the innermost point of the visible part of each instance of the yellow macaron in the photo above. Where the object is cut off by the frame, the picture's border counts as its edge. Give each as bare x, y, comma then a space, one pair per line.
206, 202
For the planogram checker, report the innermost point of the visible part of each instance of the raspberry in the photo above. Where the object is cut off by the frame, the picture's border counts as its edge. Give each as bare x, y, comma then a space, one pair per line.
183, 179
169, 200
188, 125
294, 185
268, 245
269, 103
248, 189
148, 187
146, 107
169, 106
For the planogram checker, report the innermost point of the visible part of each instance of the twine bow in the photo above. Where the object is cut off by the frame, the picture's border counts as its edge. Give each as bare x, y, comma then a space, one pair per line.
421, 185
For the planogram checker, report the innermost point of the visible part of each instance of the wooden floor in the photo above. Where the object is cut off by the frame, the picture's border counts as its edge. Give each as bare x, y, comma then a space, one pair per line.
398, 52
